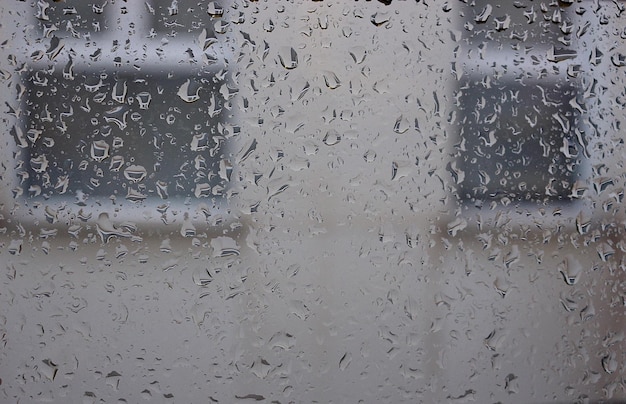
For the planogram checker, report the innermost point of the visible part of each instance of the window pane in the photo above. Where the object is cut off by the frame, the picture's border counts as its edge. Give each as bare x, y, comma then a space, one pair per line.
312, 201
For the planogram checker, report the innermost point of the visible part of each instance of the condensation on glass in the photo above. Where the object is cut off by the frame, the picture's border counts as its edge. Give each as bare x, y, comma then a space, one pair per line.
312, 201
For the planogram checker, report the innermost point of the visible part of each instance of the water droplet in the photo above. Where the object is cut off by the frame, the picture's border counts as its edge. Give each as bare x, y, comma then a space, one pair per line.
221, 27
224, 247
161, 188
42, 10
484, 14
610, 363
187, 229
55, 47
39, 164
49, 369
570, 268
379, 18
560, 54
134, 195
135, 173
268, 25
582, 223
358, 54
99, 150
402, 125
331, 80
456, 225
214, 10
52, 215
605, 251
144, 98
345, 361
107, 230
117, 116
288, 58
502, 286
15, 247
189, 91
331, 138
116, 163
400, 169
120, 89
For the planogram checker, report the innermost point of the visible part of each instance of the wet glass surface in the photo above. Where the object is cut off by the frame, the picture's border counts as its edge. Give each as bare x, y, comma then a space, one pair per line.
312, 201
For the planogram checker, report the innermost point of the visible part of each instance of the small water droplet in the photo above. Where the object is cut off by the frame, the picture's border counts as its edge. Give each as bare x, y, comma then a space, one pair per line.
224, 247
202, 190
345, 361
144, 98
402, 125
331, 80
214, 10
570, 268
52, 215
331, 138
187, 229
135, 173
116, 163
120, 89
288, 58
379, 18
99, 150
189, 91
15, 247
369, 156
39, 164
484, 14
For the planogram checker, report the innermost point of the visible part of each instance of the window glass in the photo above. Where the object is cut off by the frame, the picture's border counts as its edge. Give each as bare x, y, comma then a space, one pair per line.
312, 201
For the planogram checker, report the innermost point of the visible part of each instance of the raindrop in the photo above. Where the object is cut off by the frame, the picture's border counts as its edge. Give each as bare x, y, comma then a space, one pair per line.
557, 54
369, 156
345, 361
107, 230
202, 190
570, 268
379, 18
484, 14
331, 80
187, 229
610, 363
116, 163
268, 25
288, 58
120, 89
99, 150
331, 138
39, 164
214, 10
135, 196
144, 98
502, 286
161, 188
189, 91
402, 125
224, 247
135, 173
52, 215
15, 247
